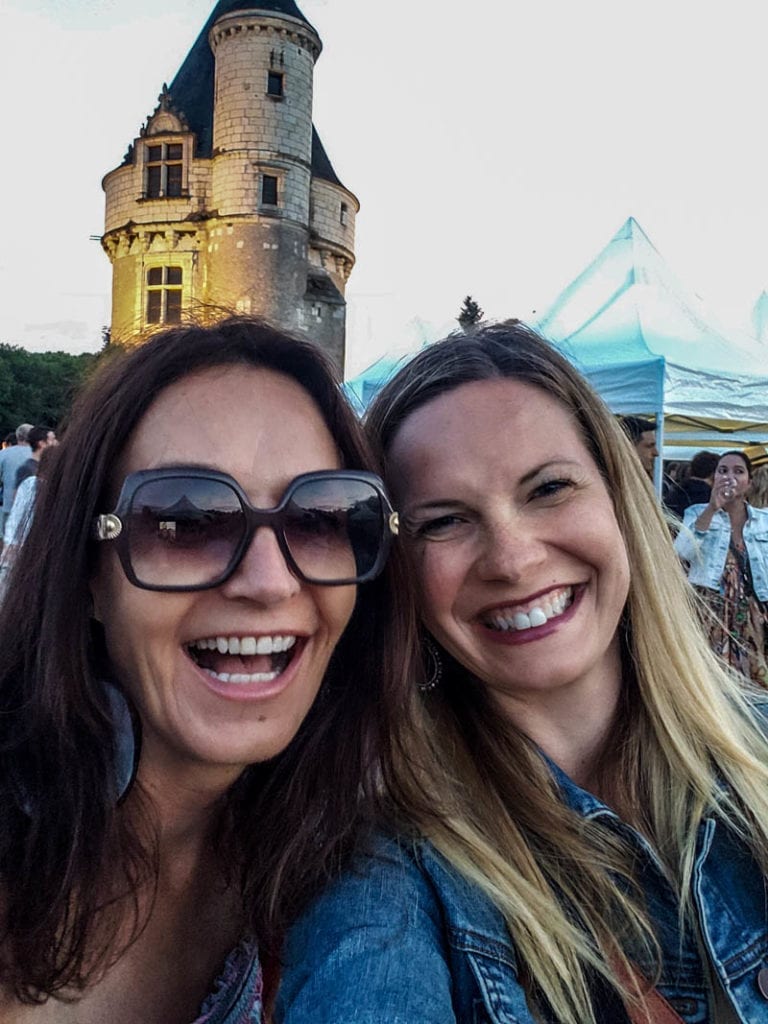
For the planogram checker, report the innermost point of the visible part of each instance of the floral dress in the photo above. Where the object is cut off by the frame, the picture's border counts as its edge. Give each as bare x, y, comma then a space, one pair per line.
738, 626
237, 995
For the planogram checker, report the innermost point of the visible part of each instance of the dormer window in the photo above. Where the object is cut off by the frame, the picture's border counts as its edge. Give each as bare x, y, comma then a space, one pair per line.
163, 170
275, 83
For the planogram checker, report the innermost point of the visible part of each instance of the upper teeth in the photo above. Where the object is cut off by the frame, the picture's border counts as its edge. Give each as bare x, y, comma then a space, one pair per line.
536, 614
245, 644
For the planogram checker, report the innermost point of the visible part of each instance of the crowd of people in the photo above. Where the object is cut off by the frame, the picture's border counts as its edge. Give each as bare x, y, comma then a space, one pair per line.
413, 720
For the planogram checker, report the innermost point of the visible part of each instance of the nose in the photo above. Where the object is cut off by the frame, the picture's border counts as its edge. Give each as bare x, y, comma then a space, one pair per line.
263, 575
510, 552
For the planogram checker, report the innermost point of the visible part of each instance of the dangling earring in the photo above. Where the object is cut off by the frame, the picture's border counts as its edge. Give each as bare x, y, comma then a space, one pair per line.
127, 728
433, 664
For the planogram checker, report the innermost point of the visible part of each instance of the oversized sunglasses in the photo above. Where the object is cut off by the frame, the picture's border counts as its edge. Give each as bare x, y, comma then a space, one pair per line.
188, 529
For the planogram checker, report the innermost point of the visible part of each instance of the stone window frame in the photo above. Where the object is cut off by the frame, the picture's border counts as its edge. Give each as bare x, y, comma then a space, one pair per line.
165, 261
279, 174
164, 141
278, 77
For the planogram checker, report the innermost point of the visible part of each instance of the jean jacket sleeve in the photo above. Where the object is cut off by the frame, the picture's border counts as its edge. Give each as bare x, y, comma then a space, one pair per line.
370, 950
688, 542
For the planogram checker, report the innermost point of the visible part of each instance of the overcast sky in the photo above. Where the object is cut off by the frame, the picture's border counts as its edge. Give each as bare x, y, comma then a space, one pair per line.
494, 147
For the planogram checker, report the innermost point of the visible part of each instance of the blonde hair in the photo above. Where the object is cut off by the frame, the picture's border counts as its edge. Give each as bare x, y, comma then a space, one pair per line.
758, 488
478, 789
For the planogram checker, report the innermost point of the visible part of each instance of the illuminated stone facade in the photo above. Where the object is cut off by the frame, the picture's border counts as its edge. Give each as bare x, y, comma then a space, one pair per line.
227, 202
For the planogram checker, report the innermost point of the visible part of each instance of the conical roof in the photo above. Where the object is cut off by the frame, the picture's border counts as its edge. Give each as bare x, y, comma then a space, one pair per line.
192, 89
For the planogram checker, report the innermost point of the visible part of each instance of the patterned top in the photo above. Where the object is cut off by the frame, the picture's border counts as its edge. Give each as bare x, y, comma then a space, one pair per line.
236, 996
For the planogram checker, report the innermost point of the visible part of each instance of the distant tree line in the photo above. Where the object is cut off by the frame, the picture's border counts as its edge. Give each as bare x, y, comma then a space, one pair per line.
38, 387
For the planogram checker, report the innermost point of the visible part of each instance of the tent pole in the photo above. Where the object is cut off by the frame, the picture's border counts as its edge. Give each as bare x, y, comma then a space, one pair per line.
658, 469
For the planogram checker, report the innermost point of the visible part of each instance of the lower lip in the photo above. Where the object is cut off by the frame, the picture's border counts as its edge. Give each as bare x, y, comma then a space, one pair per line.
511, 638
250, 692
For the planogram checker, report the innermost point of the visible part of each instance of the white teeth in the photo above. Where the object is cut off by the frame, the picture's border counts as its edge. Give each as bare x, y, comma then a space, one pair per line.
242, 677
245, 644
554, 604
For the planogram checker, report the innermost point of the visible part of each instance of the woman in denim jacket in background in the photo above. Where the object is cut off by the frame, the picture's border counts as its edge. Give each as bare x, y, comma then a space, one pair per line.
725, 544
579, 812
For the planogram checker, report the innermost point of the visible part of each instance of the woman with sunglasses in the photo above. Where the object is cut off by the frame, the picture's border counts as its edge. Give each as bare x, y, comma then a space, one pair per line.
193, 660
580, 811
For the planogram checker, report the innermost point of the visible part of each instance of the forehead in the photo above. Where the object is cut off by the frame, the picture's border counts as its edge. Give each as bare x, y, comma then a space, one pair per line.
732, 462
502, 422
249, 422
648, 437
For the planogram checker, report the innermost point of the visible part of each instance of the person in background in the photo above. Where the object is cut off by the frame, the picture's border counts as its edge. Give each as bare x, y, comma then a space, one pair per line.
10, 460
39, 439
697, 486
8, 441
725, 545
585, 837
758, 491
642, 434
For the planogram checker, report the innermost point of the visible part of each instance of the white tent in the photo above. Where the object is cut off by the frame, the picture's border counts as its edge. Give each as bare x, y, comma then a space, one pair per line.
647, 347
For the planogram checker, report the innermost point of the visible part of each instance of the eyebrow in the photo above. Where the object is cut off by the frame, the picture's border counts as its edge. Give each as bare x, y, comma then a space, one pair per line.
526, 478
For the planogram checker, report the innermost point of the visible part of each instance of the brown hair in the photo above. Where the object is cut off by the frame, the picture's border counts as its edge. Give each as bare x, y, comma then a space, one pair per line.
64, 842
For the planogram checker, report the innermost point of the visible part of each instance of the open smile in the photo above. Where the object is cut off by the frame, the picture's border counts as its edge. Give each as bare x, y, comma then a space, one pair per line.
245, 659
538, 611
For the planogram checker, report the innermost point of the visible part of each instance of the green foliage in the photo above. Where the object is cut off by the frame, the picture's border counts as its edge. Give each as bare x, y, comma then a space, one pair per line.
38, 387
470, 314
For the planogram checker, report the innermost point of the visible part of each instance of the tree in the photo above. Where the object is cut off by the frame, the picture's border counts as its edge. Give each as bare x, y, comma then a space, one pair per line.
470, 314
38, 387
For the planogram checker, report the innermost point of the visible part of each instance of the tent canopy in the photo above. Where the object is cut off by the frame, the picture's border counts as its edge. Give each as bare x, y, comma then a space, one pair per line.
646, 346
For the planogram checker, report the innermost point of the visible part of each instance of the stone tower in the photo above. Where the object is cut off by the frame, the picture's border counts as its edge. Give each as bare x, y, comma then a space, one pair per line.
227, 201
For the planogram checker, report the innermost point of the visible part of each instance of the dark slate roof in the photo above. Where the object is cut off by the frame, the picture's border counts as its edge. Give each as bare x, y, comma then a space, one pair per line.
192, 88
321, 165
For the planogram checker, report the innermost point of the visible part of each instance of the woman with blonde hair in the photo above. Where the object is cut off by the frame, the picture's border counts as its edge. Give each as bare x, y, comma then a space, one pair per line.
579, 812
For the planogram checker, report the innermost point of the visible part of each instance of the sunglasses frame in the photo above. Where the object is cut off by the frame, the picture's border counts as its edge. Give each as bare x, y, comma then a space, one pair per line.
110, 526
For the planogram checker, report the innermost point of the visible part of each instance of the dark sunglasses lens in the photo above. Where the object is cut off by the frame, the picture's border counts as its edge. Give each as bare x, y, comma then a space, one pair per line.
334, 529
183, 531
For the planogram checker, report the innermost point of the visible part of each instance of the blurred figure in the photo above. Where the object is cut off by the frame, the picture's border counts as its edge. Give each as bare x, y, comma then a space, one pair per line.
39, 439
642, 434
10, 460
8, 441
758, 492
19, 520
725, 544
697, 486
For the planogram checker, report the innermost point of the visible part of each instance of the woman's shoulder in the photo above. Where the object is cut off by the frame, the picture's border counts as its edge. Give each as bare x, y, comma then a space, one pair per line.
401, 935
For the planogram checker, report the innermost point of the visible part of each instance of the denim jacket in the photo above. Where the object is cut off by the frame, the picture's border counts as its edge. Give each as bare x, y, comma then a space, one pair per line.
706, 550
404, 939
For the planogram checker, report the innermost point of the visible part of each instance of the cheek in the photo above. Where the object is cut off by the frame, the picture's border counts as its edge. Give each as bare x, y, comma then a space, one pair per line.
438, 581
336, 606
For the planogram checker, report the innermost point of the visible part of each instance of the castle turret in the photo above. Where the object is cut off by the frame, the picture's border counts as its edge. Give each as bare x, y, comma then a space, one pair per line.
227, 200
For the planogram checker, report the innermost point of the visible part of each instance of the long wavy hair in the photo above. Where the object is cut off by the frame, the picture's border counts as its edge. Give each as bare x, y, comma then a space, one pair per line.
684, 727
73, 862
